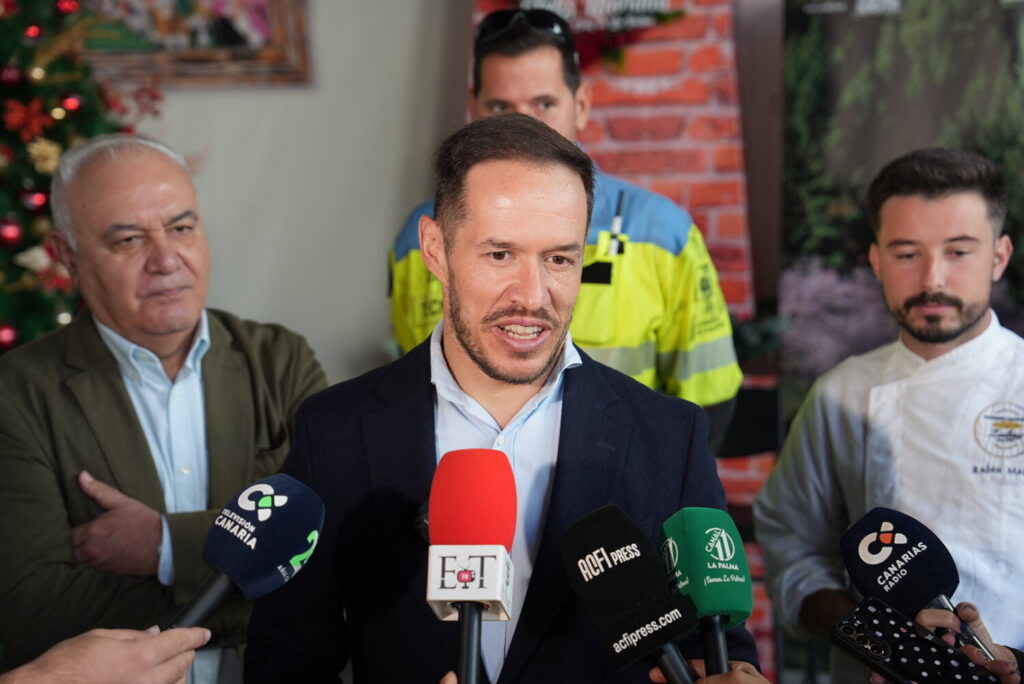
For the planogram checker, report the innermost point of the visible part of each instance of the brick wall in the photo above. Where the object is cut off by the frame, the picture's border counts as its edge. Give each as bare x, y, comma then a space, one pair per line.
742, 478
668, 119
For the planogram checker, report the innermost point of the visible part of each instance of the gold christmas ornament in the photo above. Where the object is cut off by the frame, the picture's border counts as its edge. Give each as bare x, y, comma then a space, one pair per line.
45, 154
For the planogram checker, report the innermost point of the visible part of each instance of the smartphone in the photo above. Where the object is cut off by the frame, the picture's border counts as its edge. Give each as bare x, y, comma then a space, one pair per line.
899, 649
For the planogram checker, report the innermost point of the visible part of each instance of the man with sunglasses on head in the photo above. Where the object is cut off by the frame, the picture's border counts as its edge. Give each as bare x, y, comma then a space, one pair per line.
650, 304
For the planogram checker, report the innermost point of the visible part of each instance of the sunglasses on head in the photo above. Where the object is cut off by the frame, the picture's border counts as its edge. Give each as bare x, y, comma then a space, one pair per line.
497, 23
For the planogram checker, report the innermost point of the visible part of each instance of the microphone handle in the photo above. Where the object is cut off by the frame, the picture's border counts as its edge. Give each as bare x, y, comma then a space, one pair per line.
716, 654
212, 595
967, 635
469, 642
673, 666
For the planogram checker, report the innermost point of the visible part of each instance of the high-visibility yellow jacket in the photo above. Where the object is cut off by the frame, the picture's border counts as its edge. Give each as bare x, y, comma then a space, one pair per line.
653, 310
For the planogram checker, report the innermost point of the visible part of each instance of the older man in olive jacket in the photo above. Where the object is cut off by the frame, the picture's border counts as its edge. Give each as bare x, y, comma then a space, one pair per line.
123, 433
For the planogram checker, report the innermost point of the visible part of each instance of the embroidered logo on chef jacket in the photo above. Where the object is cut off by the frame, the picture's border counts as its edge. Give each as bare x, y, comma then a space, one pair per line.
999, 429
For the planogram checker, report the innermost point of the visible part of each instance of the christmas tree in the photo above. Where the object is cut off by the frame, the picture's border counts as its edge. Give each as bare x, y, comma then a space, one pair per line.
49, 101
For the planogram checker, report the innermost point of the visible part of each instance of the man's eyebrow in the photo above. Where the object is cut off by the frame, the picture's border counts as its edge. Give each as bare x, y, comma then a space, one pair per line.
187, 214
504, 244
115, 228
914, 243
496, 244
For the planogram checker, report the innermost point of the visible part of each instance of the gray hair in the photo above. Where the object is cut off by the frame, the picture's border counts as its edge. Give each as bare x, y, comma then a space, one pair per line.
108, 147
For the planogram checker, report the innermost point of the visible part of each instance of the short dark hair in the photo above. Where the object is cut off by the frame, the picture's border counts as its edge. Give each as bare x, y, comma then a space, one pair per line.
507, 137
518, 39
937, 172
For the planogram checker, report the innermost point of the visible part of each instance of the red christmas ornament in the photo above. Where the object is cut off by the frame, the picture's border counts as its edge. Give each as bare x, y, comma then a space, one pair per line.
30, 120
8, 7
71, 102
8, 336
10, 75
11, 233
32, 32
68, 6
33, 200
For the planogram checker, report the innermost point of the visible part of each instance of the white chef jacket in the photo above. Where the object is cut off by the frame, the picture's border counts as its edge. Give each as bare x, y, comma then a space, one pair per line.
941, 440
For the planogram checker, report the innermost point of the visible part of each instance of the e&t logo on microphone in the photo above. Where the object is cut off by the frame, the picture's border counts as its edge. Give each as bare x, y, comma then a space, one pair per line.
266, 502
481, 573
470, 571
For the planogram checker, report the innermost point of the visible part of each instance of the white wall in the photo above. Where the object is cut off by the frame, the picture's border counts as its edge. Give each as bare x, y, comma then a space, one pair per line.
304, 188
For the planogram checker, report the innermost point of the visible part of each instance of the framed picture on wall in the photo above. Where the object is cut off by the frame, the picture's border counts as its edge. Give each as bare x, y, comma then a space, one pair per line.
199, 43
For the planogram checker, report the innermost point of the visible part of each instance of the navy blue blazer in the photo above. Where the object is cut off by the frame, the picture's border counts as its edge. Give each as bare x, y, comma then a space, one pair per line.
367, 447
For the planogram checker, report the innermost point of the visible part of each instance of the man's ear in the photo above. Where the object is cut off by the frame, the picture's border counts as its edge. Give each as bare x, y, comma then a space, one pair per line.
1003, 251
582, 101
65, 254
873, 259
432, 248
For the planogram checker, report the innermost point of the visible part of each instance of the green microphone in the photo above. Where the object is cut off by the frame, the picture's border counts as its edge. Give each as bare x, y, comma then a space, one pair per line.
702, 550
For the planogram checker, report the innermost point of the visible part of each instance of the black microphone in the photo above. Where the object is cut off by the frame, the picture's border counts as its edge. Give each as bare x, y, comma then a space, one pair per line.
894, 557
619, 579
260, 540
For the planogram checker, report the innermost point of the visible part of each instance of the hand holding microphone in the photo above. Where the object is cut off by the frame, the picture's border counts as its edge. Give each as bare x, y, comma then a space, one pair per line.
260, 540
893, 557
1005, 665
739, 673
1006, 668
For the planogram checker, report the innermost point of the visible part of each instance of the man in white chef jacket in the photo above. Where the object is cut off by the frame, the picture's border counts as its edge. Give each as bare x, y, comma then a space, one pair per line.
932, 424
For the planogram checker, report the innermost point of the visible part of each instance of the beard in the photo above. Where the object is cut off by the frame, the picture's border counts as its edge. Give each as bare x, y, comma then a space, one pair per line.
932, 330
475, 351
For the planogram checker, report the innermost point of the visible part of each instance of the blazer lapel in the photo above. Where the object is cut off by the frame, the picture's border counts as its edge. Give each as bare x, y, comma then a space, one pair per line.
401, 457
100, 393
592, 445
400, 446
228, 394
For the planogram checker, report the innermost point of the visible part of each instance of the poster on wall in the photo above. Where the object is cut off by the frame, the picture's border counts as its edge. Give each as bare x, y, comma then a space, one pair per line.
867, 81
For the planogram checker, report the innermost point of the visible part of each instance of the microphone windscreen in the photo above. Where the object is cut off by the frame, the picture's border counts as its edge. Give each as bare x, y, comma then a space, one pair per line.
893, 557
264, 536
704, 553
620, 581
473, 500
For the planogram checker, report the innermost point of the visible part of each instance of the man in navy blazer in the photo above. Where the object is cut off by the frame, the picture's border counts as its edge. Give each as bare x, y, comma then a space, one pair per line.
513, 204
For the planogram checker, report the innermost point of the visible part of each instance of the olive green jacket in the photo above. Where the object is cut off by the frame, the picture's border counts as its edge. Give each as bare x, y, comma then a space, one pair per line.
64, 409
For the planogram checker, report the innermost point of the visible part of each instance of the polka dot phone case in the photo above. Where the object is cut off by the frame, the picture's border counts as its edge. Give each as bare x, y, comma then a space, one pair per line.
900, 650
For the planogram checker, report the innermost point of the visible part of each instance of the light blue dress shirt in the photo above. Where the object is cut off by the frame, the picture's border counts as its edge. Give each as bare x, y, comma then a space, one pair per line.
173, 418
530, 441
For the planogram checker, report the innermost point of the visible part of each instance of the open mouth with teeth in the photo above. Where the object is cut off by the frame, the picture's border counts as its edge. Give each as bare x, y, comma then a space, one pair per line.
522, 332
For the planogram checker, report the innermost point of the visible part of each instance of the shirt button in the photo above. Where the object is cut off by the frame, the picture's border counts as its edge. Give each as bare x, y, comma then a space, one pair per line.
500, 440
185, 470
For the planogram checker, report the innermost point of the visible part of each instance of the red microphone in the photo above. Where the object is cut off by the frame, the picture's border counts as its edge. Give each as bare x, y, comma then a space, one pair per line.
472, 520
